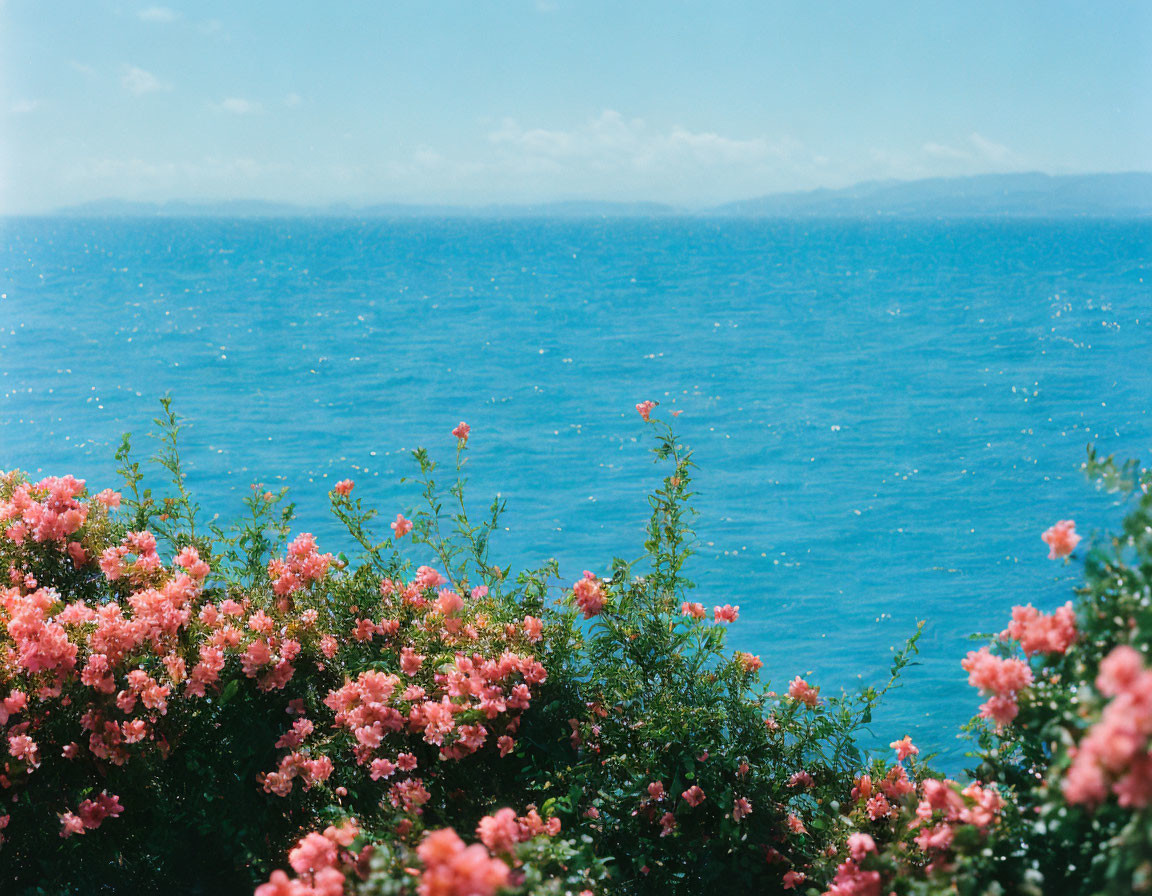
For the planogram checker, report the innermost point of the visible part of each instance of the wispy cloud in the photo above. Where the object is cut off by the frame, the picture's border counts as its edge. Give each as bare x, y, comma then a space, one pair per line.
989, 149
612, 142
944, 151
158, 14
138, 82
177, 175
976, 148
292, 100
237, 106
24, 107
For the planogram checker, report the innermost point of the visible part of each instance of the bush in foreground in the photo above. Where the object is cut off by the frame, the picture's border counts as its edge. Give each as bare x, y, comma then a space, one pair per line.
210, 709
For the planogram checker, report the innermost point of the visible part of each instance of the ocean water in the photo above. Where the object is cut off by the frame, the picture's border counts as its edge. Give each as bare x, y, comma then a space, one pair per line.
886, 414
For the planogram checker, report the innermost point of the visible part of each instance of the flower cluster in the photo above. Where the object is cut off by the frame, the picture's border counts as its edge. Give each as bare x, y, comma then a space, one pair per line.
1116, 754
318, 859
1061, 539
303, 566
441, 862
1038, 633
589, 595
918, 839
1001, 678
48, 510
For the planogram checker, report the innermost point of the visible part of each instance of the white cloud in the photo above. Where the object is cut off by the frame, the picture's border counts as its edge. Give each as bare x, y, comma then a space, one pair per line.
159, 14
975, 149
86, 70
23, 107
237, 106
612, 142
990, 150
138, 82
292, 100
180, 176
943, 151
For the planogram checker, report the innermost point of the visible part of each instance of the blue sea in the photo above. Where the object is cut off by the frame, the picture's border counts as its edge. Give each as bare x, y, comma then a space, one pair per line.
885, 414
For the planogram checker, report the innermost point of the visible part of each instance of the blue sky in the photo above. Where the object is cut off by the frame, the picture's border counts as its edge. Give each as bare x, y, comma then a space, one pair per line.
476, 101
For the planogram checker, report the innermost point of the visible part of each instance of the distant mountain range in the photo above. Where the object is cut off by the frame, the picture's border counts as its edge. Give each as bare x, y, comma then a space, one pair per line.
984, 196
1031, 195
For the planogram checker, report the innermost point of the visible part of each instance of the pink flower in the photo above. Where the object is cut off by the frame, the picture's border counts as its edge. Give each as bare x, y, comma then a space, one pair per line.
453, 869
500, 832
589, 595
533, 628
851, 880
1115, 755
793, 879
741, 809
748, 662
461, 431
280, 884
1038, 633
410, 661
313, 853
1119, 671
303, 565
402, 526
93, 812
381, 768
656, 790
695, 610
645, 408
801, 779
109, 498
77, 553
189, 559
70, 824
1061, 539
904, 748
448, 602
878, 807
22, 747
427, 577
694, 796
859, 845
802, 692
667, 824
1001, 678
344, 487
726, 613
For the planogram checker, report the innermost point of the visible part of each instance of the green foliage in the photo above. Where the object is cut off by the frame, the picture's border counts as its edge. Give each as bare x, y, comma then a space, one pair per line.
670, 764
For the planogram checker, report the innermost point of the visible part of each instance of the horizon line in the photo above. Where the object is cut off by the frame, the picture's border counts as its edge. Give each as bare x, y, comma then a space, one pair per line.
464, 205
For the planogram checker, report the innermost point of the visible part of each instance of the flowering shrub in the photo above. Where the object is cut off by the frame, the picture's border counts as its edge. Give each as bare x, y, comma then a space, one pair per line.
1059, 801
1071, 746
171, 692
147, 695
515, 855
